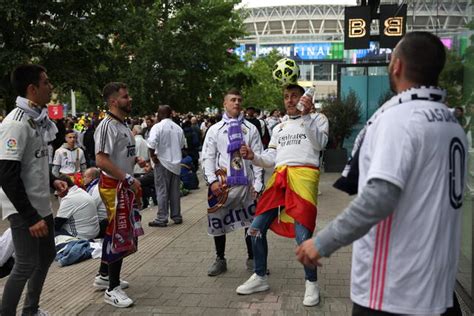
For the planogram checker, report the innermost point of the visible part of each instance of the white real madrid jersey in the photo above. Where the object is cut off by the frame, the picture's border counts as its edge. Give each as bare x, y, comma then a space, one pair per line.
115, 139
20, 140
407, 263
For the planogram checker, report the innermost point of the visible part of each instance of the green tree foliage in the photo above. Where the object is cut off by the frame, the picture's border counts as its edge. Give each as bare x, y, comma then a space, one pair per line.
263, 91
183, 54
468, 91
343, 114
167, 51
70, 38
451, 79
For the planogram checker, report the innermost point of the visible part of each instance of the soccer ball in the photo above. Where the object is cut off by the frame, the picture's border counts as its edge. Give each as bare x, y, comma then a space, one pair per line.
286, 71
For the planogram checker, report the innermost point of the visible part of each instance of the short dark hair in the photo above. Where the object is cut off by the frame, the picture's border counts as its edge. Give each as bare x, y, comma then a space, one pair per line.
66, 179
424, 55
24, 75
233, 91
111, 88
164, 111
69, 131
294, 87
251, 108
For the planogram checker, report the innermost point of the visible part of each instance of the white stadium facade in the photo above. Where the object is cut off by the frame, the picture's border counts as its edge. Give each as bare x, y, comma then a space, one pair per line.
312, 32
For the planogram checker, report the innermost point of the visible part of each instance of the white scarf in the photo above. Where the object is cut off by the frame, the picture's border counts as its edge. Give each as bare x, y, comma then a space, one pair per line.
47, 128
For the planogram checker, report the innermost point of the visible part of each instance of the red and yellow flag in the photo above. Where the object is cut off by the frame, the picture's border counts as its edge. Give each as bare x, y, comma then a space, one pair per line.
295, 191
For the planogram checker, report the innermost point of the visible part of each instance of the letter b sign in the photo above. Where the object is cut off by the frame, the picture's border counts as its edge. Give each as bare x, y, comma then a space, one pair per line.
356, 27
392, 24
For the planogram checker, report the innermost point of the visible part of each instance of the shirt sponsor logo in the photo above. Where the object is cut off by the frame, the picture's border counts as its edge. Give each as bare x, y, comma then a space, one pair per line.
131, 151
291, 139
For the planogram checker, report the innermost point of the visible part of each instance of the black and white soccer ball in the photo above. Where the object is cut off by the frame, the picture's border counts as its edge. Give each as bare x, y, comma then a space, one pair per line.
286, 71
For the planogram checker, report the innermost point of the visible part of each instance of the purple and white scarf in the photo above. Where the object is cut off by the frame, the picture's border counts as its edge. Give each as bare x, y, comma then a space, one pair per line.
236, 173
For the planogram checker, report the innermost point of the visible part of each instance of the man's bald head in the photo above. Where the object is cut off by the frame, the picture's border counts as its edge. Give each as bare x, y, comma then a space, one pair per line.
164, 111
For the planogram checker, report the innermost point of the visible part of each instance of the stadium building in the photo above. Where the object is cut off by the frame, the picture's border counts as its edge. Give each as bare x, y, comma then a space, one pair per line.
312, 33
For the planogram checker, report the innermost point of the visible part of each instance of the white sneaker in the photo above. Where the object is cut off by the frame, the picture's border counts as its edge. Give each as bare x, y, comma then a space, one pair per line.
41, 312
254, 284
311, 295
102, 283
117, 298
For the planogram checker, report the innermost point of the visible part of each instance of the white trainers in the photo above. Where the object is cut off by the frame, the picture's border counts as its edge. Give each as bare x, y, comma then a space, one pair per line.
254, 284
117, 298
311, 295
102, 283
41, 312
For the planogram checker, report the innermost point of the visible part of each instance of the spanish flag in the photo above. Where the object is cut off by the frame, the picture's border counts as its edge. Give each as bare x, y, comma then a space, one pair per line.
293, 189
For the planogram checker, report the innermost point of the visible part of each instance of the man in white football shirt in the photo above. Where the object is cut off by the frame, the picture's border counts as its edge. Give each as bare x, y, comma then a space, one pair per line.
69, 159
24, 190
405, 221
116, 156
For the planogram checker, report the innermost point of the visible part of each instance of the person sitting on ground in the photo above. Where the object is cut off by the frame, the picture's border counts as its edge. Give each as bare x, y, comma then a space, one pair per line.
148, 186
77, 213
91, 181
6, 253
188, 175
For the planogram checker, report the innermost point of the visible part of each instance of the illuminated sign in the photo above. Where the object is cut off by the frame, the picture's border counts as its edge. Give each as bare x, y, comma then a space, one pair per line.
392, 25
357, 27
305, 51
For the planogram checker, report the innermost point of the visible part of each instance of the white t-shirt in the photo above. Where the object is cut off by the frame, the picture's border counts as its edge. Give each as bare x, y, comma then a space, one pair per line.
407, 263
6, 246
142, 151
69, 160
80, 210
297, 142
115, 139
167, 139
99, 204
20, 140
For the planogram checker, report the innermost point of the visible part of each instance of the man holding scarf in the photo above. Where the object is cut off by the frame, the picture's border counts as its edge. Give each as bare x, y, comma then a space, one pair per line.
115, 156
24, 195
288, 204
233, 182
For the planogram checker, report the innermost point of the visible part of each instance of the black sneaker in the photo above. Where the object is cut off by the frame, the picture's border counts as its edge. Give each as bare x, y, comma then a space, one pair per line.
157, 224
218, 267
178, 221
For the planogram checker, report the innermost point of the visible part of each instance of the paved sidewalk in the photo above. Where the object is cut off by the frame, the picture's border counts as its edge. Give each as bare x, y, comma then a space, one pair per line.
168, 274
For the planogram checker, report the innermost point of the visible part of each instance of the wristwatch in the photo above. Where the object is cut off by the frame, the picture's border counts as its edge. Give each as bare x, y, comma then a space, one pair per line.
129, 179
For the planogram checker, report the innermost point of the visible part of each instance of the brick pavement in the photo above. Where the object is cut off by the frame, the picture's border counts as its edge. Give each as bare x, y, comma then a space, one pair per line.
168, 275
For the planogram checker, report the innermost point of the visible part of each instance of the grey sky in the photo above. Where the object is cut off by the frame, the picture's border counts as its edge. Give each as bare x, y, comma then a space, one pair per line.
267, 3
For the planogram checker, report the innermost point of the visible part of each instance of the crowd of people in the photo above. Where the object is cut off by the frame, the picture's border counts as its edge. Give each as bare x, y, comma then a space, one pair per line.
106, 170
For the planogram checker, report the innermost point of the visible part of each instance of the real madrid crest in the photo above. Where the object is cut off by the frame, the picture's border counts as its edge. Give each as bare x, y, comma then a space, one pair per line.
236, 161
32, 123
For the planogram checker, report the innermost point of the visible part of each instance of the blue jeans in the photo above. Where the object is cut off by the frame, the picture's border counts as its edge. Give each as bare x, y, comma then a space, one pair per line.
258, 231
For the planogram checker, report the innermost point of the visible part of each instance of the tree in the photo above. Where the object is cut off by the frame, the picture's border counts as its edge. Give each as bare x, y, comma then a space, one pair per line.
343, 114
263, 91
70, 38
451, 79
179, 61
167, 51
